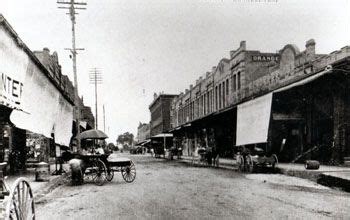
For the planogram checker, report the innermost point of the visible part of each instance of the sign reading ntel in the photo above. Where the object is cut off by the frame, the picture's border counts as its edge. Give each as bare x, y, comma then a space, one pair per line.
11, 89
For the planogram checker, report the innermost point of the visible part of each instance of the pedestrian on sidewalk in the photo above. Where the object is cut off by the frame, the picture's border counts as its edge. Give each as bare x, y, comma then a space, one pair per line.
209, 155
179, 152
215, 155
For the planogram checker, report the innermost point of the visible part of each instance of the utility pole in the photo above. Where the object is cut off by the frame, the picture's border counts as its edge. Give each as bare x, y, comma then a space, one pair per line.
95, 78
72, 6
104, 119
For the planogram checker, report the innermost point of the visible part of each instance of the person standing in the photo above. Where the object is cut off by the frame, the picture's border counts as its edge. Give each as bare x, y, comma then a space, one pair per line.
209, 155
215, 155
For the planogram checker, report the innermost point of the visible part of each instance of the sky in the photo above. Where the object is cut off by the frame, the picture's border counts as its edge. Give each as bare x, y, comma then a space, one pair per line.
142, 47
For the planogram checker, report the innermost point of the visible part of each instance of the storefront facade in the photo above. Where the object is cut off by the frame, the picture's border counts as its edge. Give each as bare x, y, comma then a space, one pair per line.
294, 104
36, 102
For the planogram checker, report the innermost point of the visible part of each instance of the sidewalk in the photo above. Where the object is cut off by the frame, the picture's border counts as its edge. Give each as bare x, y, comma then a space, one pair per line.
39, 189
223, 162
332, 176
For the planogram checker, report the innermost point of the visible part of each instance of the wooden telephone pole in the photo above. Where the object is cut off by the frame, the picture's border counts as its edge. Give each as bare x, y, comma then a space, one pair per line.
96, 78
72, 6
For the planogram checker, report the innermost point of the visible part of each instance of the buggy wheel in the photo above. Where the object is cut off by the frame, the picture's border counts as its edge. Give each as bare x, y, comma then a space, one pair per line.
275, 161
240, 163
99, 172
20, 203
110, 175
129, 172
249, 164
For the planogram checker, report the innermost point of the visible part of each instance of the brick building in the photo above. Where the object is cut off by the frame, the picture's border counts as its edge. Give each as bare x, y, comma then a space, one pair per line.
160, 113
285, 102
160, 122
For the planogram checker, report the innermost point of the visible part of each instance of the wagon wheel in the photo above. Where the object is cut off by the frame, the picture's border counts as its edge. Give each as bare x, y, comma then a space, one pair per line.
20, 203
129, 173
275, 161
110, 174
249, 164
240, 163
98, 172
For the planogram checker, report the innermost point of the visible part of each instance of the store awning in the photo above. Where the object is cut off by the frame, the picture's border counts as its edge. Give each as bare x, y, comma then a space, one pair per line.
305, 81
187, 125
162, 135
49, 111
253, 118
14, 64
140, 143
83, 124
145, 142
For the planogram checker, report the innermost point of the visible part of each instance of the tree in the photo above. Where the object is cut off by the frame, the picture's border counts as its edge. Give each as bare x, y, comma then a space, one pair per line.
125, 139
111, 146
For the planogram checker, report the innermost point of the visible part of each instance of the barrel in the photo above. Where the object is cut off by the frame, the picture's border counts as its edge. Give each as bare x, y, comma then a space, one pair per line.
42, 172
312, 165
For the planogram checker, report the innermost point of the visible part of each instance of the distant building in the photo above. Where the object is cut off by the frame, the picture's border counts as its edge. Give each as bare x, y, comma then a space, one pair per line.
160, 113
160, 123
143, 132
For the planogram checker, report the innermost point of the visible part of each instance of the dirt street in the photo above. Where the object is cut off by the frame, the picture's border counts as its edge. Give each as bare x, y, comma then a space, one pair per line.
166, 189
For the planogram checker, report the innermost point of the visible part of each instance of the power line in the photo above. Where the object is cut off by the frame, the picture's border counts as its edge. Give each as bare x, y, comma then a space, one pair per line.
72, 7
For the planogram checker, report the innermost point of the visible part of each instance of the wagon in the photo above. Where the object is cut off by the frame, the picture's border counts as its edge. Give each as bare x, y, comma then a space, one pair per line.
101, 167
248, 160
17, 202
158, 150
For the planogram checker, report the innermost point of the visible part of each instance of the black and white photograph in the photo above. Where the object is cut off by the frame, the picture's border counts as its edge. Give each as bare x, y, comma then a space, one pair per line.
174, 109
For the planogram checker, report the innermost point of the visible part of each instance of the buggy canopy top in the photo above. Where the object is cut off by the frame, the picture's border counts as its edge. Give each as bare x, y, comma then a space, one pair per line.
93, 134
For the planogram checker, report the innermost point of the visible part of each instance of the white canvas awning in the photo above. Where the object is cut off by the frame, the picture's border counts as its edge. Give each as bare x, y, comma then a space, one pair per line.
83, 124
63, 124
13, 68
253, 118
162, 135
48, 110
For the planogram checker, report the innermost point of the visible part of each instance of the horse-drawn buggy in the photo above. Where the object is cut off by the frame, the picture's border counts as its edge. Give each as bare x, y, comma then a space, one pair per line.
92, 163
249, 159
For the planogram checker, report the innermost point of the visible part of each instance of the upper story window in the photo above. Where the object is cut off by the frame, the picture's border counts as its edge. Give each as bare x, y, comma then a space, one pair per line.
219, 96
216, 97
239, 80
223, 94
227, 86
234, 82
